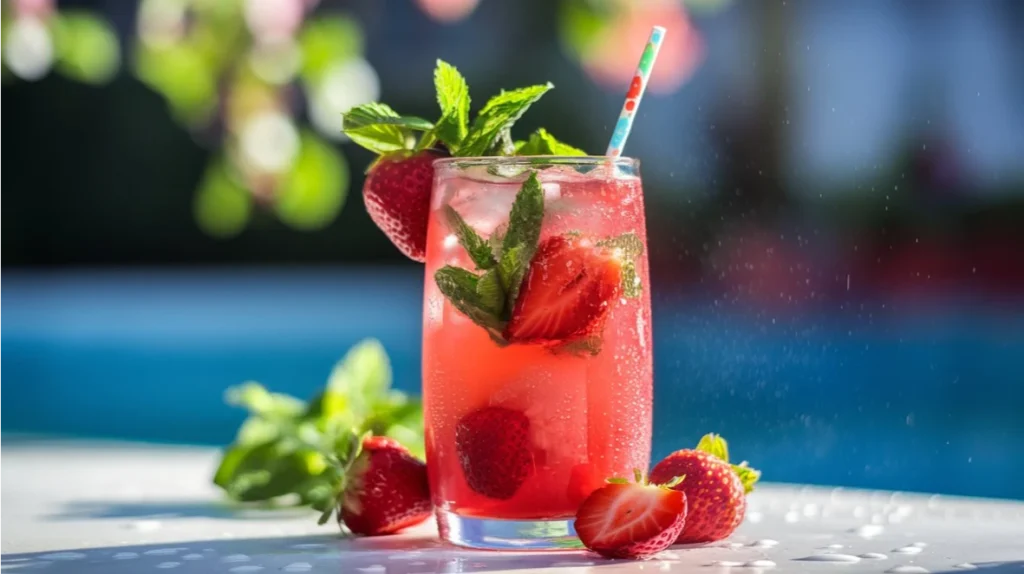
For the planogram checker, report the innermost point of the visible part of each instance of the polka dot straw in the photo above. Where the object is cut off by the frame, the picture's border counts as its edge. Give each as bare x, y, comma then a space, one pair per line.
636, 91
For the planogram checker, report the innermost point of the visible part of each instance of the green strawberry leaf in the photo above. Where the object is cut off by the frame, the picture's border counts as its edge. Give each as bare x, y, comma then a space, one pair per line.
676, 481
714, 445
748, 476
543, 143
380, 129
498, 115
453, 98
477, 247
460, 287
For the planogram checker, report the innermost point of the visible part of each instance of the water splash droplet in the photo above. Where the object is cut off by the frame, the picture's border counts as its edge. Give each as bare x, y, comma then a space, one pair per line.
874, 556
298, 567
246, 568
725, 563
868, 530
908, 550
759, 564
765, 543
965, 566
907, 570
63, 556
235, 558
125, 556
836, 558
168, 565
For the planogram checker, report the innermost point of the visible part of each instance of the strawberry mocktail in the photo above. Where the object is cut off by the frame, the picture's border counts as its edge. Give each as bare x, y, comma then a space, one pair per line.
536, 342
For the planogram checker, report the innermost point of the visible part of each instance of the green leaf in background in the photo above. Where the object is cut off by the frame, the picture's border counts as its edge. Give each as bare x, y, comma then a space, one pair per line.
363, 375
312, 193
543, 143
453, 98
379, 128
222, 205
327, 41
86, 46
498, 115
258, 401
182, 73
477, 247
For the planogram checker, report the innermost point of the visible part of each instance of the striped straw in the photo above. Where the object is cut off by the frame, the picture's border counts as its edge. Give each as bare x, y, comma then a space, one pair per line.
636, 91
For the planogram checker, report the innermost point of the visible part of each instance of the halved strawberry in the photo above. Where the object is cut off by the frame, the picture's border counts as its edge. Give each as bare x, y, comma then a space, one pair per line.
494, 450
397, 197
567, 290
631, 520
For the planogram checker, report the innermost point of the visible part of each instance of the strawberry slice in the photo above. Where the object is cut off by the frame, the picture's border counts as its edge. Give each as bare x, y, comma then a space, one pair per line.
494, 450
566, 292
397, 197
386, 490
631, 520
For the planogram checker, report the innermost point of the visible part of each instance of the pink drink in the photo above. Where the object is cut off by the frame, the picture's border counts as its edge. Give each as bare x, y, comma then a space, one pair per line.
589, 415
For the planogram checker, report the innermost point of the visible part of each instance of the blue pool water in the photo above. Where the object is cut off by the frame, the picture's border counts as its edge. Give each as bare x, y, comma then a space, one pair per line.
928, 399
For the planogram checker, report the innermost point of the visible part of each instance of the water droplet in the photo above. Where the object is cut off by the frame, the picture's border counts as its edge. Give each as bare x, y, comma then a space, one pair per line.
765, 543
907, 570
908, 550
725, 563
792, 516
298, 567
759, 564
235, 558
192, 557
167, 565
838, 558
834, 547
373, 568
145, 525
308, 546
965, 566
63, 556
873, 556
868, 530
754, 517
920, 544
162, 551
246, 568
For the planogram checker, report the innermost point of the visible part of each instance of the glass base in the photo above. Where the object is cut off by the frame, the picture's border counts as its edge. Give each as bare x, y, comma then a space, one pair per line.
497, 534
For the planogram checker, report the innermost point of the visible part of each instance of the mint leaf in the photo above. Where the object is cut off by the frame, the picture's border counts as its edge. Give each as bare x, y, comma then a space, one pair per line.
629, 244
631, 285
477, 247
460, 287
498, 115
511, 270
748, 476
526, 216
714, 445
362, 376
490, 293
453, 98
543, 143
260, 402
380, 129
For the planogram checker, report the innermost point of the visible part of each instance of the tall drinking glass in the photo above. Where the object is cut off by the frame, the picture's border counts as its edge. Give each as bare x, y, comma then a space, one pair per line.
519, 433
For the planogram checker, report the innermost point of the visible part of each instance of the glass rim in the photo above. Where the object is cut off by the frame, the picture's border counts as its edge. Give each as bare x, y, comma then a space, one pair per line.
462, 162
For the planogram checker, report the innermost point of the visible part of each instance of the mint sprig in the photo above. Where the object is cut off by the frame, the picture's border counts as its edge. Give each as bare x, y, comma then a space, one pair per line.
488, 298
382, 130
292, 447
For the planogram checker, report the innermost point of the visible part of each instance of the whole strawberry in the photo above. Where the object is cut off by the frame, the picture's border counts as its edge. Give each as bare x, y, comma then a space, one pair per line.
715, 490
631, 520
397, 197
495, 451
385, 489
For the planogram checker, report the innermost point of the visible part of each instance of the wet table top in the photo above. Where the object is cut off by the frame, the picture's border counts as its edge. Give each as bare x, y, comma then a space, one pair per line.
128, 508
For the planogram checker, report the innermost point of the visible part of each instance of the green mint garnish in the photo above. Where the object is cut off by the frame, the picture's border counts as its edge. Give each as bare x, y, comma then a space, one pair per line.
382, 130
453, 98
477, 247
487, 299
543, 143
379, 128
497, 117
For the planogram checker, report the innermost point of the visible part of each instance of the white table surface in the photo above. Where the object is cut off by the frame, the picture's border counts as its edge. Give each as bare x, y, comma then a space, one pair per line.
116, 508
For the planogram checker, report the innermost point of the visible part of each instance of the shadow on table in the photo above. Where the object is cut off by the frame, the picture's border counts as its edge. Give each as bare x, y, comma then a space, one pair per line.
312, 554
165, 510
